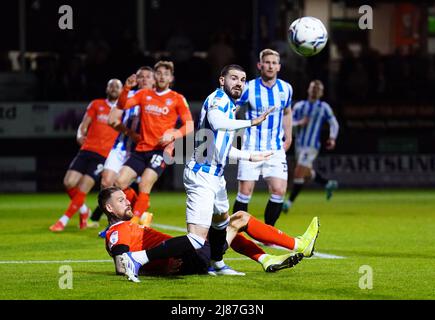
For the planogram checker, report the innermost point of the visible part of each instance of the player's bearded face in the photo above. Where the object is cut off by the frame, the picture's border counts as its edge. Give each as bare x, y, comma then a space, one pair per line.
234, 83
121, 207
114, 90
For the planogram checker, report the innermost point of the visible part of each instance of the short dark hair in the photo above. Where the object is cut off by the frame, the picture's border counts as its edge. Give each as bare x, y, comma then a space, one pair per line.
145, 68
104, 196
229, 67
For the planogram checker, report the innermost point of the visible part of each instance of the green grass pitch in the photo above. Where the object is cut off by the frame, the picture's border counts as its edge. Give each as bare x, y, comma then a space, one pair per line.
393, 232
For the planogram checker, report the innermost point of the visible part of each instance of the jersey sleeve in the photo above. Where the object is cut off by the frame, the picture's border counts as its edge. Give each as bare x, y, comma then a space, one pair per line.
124, 102
297, 111
288, 104
91, 110
120, 236
332, 120
219, 103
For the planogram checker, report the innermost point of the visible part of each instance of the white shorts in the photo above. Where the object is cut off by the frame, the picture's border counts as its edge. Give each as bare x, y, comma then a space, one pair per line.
115, 160
305, 156
275, 167
206, 196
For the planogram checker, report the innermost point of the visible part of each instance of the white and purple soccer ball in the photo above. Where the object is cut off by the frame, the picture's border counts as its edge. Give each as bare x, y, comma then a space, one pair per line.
307, 36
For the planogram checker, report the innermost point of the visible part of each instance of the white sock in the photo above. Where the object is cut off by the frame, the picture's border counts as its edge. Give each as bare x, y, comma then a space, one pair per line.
262, 257
84, 209
140, 256
64, 220
296, 244
218, 264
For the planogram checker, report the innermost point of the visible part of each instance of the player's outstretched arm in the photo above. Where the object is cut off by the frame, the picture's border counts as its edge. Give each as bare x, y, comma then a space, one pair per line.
261, 118
237, 154
115, 122
82, 131
123, 101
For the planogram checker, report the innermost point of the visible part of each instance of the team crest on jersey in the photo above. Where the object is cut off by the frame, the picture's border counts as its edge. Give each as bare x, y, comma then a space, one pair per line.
113, 238
282, 96
101, 108
168, 102
148, 98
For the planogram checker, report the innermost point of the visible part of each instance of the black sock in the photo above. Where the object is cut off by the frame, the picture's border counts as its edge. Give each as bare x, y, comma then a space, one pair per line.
272, 212
320, 179
240, 206
96, 214
170, 248
218, 243
297, 187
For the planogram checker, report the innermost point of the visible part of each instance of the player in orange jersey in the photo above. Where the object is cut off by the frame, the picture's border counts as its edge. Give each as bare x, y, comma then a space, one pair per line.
96, 138
159, 109
124, 237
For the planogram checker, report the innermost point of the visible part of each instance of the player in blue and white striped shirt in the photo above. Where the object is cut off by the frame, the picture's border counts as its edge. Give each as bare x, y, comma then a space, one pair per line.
207, 200
275, 133
308, 118
127, 122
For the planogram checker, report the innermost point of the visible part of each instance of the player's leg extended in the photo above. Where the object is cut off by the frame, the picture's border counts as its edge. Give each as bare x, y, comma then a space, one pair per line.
270, 235
277, 190
243, 195
242, 245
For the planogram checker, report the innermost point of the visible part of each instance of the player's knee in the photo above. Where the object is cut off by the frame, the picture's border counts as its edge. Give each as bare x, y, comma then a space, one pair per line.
106, 182
68, 183
121, 183
196, 240
240, 219
279, 191
220, 224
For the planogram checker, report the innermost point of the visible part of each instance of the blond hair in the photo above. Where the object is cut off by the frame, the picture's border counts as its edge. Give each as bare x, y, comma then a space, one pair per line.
268, 52
166, 64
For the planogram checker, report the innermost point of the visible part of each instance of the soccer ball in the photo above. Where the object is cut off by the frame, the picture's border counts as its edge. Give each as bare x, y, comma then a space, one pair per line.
307, 36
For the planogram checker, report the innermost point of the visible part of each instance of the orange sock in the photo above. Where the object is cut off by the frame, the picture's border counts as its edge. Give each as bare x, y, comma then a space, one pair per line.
268, 234
131, 196
142, 204
72, 192
247, 247
75, 204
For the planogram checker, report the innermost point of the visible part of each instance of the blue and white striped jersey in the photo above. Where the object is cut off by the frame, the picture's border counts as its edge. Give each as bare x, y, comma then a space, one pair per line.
318, 112
212, 146
269, 134
131, 120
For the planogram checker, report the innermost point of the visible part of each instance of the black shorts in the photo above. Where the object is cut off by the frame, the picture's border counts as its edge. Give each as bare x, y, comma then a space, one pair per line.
139, 161
195, 262
88, 162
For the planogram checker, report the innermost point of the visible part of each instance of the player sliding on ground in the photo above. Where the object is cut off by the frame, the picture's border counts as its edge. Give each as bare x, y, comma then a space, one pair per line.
125, 240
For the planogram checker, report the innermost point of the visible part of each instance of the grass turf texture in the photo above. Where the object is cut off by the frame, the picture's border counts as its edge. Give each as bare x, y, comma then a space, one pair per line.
391, 231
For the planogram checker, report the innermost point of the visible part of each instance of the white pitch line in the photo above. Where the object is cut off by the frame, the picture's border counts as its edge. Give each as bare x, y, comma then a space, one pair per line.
52, 261
318, 255
73, 261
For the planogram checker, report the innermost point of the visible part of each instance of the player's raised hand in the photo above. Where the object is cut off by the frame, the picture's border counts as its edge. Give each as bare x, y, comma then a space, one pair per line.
131, 81
261, 118
256, 157
330, 144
